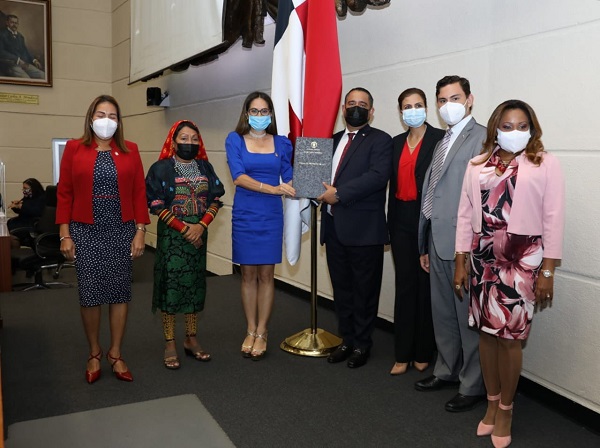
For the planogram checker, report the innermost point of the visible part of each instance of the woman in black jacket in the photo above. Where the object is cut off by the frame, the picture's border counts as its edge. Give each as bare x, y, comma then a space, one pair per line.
29, 207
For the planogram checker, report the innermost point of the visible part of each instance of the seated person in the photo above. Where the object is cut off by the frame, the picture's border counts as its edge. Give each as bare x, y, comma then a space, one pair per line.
28, 208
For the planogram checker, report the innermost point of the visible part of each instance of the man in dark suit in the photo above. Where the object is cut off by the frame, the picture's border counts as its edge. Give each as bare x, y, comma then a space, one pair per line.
457, 363
353, 226
14, 52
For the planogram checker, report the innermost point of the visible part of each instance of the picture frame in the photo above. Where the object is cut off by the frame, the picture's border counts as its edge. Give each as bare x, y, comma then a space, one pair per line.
25, 42
58, 147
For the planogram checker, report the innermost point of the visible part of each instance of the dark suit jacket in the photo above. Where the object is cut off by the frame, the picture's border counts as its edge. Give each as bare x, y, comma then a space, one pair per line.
404, 215
359, 216
12, 48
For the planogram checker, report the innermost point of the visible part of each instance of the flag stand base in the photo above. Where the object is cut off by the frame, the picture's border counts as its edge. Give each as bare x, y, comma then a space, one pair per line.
310, 343
313, 341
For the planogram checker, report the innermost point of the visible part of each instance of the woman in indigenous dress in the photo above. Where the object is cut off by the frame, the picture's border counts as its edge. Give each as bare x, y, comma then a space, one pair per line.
184, 192
102, 212
260, 165
413, 150
510, 222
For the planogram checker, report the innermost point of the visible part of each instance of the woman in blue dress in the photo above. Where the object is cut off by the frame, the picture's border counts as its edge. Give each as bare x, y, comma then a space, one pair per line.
260, 165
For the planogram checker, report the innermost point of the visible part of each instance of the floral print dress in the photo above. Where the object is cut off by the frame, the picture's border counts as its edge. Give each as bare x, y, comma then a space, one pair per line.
504, 266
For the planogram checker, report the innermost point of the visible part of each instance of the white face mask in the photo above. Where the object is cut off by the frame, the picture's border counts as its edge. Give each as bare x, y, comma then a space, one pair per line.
104, 128
513, 141
452, 113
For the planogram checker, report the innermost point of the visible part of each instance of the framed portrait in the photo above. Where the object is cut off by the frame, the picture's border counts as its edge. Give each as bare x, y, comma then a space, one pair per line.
25, 42
58, 147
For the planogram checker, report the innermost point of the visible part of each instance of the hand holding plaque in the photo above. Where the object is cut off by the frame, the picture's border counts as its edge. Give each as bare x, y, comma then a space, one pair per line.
312, 166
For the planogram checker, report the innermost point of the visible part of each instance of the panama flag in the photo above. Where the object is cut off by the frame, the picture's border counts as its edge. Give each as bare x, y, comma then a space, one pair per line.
306, 88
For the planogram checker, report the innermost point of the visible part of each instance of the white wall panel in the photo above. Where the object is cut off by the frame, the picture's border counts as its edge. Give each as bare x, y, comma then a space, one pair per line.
538, 51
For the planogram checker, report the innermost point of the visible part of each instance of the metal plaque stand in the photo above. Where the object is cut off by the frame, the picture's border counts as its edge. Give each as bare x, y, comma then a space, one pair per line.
313, 341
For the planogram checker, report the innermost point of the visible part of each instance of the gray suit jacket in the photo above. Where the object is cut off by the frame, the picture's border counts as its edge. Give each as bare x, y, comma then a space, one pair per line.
447, 192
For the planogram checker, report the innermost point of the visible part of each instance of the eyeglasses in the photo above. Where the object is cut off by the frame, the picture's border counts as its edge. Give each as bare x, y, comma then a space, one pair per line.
255, 112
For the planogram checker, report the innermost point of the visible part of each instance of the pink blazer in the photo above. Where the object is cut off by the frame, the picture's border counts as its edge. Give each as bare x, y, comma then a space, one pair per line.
538, 204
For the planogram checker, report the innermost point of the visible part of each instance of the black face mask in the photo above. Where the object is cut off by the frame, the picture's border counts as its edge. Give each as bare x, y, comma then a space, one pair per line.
357, 116
187, 151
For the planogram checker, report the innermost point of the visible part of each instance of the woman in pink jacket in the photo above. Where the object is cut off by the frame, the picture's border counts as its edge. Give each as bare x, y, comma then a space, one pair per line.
510, 226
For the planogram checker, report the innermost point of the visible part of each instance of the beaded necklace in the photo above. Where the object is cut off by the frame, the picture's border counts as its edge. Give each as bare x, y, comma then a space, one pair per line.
190, 172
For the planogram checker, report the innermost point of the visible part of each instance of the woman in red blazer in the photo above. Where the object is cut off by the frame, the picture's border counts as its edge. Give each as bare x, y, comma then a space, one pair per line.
102, 215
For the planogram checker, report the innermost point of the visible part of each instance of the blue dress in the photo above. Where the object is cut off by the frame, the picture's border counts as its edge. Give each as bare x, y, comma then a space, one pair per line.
257, 221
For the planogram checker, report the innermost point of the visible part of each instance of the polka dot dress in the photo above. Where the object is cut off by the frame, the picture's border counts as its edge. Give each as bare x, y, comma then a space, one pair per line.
103, 249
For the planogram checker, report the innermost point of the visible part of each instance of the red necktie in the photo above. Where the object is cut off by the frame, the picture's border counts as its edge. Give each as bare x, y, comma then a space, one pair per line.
344, 151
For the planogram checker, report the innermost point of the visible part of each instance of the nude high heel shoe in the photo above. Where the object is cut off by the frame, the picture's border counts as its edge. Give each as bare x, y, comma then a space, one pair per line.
256, 354
247, 349
484, 429
502, 441
399, 368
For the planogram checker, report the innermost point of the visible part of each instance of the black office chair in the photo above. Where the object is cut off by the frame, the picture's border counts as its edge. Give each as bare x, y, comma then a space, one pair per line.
44, 253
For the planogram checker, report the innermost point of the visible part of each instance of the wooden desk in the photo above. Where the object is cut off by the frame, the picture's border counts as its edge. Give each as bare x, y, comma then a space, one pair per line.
5, 286
1, 412
5, 268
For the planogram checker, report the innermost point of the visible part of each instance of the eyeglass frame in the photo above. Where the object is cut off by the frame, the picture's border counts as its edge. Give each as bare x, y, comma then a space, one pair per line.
254, 112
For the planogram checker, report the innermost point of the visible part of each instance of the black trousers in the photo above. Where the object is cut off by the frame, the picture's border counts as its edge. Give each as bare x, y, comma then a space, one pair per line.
413, 324
356, 273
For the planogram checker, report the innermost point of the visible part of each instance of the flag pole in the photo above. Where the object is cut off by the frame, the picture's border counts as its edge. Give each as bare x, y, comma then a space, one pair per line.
312, 341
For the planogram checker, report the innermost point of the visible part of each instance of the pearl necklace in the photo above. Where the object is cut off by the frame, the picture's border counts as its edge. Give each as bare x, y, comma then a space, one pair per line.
418, 141
255, 135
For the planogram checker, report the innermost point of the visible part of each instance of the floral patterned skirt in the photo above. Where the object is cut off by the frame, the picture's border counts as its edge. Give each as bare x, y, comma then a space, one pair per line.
504, 266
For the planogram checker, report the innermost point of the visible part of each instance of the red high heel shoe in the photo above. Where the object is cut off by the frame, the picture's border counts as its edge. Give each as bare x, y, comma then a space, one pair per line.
123, 376
92, 377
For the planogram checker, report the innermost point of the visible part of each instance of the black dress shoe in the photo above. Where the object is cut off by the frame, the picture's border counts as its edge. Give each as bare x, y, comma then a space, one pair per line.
435, 383
461, 403
340, 354
358, 358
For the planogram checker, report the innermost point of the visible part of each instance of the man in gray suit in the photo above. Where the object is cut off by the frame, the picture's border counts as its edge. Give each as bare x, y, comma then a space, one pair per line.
458, 356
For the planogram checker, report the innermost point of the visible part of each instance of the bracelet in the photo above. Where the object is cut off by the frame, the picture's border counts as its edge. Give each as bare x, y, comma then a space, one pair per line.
260, 188
65, 238
460, 253
143, 229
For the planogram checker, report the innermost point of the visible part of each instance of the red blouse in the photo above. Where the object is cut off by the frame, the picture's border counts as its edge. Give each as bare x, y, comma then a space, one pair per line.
406, 189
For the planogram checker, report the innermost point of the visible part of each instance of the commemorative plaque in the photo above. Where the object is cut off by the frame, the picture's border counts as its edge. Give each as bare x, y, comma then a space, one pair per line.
312, 166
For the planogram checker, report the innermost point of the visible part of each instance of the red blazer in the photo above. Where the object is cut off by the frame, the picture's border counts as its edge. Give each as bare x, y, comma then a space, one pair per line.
75, 186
